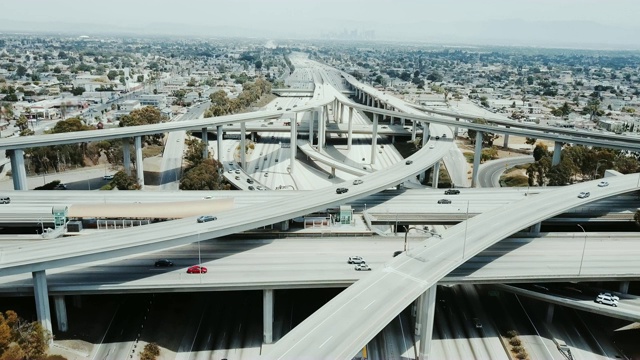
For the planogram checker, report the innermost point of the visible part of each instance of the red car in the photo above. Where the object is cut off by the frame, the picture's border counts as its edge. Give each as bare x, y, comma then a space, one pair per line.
197, 269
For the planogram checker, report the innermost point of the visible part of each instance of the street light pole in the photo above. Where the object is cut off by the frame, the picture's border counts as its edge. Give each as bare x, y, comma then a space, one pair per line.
406, 232
584, 247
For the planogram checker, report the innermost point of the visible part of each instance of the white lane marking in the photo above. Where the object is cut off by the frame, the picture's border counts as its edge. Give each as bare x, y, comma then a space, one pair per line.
371, 303
326, 341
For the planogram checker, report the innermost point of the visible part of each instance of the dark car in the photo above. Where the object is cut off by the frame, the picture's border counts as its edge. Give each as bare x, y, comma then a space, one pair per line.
341, 190
444, 201
5, 200
60, 187
250, 181
164, 263
452, 192
206, 218
251, 187
437, 137
409, 162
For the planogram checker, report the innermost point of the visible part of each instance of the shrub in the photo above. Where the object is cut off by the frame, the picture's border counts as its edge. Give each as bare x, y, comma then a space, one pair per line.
515, 342
511, 334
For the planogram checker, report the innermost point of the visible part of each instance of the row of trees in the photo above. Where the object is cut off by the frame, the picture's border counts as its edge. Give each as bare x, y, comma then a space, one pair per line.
578, 163
201, 173
251, 92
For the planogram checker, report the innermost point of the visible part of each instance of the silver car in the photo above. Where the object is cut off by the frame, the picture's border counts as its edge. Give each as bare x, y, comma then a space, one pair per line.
362, 267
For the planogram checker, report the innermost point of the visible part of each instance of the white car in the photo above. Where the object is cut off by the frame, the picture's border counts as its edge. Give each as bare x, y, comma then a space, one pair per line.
357, 182
603, 184
355, 260
607, 300
362, 267
584, 195
432, 146
614, 297
107, 177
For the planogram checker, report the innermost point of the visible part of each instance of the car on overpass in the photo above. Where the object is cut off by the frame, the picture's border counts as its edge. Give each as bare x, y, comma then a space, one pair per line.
362, 267
452, 192
108, 177
444, 201
603, 184
5, 200
357, 182
341, 190
163, 263
614, 297
584, 195
355, 260
206, 218
409, 162
607, 300
197, 269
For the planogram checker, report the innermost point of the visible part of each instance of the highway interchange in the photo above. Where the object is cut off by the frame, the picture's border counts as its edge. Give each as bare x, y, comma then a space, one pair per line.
480, 349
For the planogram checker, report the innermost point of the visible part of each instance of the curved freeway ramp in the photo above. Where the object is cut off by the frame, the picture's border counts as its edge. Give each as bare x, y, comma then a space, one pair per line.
490, 172
347, 323
306, 148
135, 210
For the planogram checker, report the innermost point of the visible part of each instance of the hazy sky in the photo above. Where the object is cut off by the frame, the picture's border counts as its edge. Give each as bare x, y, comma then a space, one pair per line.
528, 22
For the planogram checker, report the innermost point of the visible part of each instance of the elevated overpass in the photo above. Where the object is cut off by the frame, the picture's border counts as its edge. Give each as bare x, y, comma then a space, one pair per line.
343, 326
608, 257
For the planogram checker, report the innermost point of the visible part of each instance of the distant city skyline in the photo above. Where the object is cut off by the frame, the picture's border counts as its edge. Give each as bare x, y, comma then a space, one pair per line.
553, 23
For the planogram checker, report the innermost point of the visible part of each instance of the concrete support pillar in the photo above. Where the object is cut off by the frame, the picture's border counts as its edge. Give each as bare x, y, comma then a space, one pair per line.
455, 130
350, 129
126, 156
557, 151
41, 294
424, 321
374, 139
139, 161
535, 228
414, 130
267, 315
294, 140
393, 139
550, 310
425, 133
402, 121
477, 154
205, 140
243, 146
61, 313
624, 287
505, 144
219, 135
341, 112
333, 172
422, 176
322, 123
312, 118
18, 172
436, 175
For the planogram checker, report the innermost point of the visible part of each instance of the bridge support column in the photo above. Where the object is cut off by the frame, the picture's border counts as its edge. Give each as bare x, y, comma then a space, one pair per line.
333, 172
424, 321
414, 130
126, 156
436, 175
18, 172
243, 146
425, 133
312, 118
505, 143
267, 315
294, 142
477, 154
350, 129
61, 313
393, 139
374, 139
557, 151
535, 228
322, 125
139, 161
219, 136
205, 140
341, 112
41, 294
402, 121
550, 310
455, 129
624, 287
